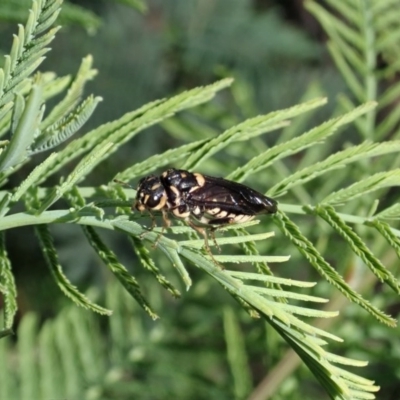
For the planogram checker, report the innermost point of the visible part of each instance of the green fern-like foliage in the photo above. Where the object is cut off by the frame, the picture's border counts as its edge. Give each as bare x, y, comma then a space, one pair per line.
67, 355
71, 14
345, 202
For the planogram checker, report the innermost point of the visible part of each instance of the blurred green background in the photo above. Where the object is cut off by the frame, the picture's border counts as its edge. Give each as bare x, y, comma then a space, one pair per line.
275, 51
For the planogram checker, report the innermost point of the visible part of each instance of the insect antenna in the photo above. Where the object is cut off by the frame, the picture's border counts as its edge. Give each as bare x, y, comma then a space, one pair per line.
122, 183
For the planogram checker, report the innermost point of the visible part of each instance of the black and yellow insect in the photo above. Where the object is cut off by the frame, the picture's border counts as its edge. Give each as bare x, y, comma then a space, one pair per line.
202, 201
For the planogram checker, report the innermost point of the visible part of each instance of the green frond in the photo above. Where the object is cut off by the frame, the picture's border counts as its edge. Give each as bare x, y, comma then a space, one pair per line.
312, 137
4, 111
349, 59
25, 185
74, 339
27, 332
5, 122
37, 45
341, 384
49, 14
158, 160
250, 258
67, 360
63, 129
8, 387
390, 39
385, 230
4, 203
128, 281
237, 356
335, 26
8, 287
249, 128
349, 75
228, 240
81, 170
295, 310
270, 279
267, 307
25, 127
147, 262
111, 261
364, 186
358, 32
307, 249
346, 9
232, 286
74, 94
87, 345
389, 124
288, 295
50, 380
366, 31
27, 50
389, 213
187, 229
391, 94
249, 248
123, 129
301, 334
302, 338
340, 159
358, 246
31, 64
53, 85
51, 257
177, 263
354, 46
19, 106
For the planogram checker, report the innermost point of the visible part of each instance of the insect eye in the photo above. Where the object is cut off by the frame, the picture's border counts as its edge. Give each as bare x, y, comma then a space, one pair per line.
153, 201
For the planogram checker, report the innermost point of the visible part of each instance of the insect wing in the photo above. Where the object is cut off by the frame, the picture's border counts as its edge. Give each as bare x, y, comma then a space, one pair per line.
233, 197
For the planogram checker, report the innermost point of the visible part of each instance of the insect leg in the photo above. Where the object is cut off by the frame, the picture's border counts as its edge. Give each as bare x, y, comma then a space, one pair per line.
153, 221
212, 233
203, 232
153, 225
166, 225
167, 222
220, 222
